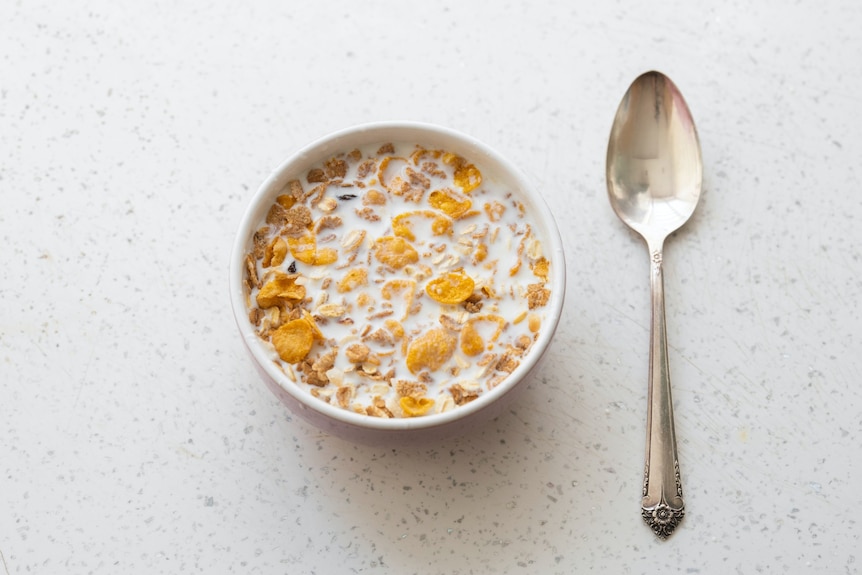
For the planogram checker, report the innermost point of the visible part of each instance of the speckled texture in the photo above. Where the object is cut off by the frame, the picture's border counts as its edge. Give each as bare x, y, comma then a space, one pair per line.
135, 435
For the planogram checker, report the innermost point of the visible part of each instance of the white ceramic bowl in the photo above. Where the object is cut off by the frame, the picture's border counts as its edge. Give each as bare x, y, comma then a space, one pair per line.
433, 427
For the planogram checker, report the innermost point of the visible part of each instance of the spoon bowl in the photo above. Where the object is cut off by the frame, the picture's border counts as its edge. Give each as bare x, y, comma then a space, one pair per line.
654, 168
654, 175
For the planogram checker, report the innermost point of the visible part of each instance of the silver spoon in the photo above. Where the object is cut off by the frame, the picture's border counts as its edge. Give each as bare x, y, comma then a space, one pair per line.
654, 174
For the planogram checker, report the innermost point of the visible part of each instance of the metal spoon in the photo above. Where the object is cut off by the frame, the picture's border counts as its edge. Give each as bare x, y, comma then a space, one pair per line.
654, 174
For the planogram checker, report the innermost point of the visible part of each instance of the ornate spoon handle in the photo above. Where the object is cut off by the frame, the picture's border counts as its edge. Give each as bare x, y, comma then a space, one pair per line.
662, 505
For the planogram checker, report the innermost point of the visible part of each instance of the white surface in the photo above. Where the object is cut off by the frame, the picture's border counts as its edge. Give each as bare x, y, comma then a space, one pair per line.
134, 435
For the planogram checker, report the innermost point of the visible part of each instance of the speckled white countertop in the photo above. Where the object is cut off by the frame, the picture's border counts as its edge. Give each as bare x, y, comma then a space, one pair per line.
135, 436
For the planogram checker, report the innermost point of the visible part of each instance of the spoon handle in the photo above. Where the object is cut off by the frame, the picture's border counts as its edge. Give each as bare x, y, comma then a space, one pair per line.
662, 505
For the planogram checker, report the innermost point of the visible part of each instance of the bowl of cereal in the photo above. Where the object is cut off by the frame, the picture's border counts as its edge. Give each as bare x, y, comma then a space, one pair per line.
397, 280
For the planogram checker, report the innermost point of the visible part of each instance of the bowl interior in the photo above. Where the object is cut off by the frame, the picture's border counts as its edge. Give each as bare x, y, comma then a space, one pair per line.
496, 169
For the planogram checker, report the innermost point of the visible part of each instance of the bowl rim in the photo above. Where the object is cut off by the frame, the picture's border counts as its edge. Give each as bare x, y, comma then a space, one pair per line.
385, 131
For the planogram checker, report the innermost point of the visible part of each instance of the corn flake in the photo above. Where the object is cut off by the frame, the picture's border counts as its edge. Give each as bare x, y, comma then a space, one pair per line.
431, 350
467, 176
373, 198
413, 407
389, 288
494, 210
480, 253
389, 168
325, 256
315, 331
304, 249
281, 289
286, 201
275, 252
402, 224
395, 252
451, 288
472, 342
293, 340
395, 328
364, 300
406, 288
354, 278
448, 202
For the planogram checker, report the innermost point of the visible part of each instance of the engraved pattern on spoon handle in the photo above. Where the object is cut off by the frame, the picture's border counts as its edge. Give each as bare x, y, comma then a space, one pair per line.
662, 506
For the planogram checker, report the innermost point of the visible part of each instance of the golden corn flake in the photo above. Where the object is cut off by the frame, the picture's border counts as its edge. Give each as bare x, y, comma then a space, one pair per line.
398, 285
407, 190
304, 249
293, 340
388, 168
421, 153
494, 210
514, 269
480, 253
468, 177
374, 198
413, 407
279, 251
315, 331
453, 160
354, 278
402, 224
431, 350
395, 252
451, 288
498, 321
325, 257
472, 342
281, 289
275, 252
364, 300
286, 201
540, 269
449, 203
400, 292
395, 328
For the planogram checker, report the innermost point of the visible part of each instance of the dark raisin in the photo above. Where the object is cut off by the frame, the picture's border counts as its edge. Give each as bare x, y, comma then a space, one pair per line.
292, 267
346, 196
